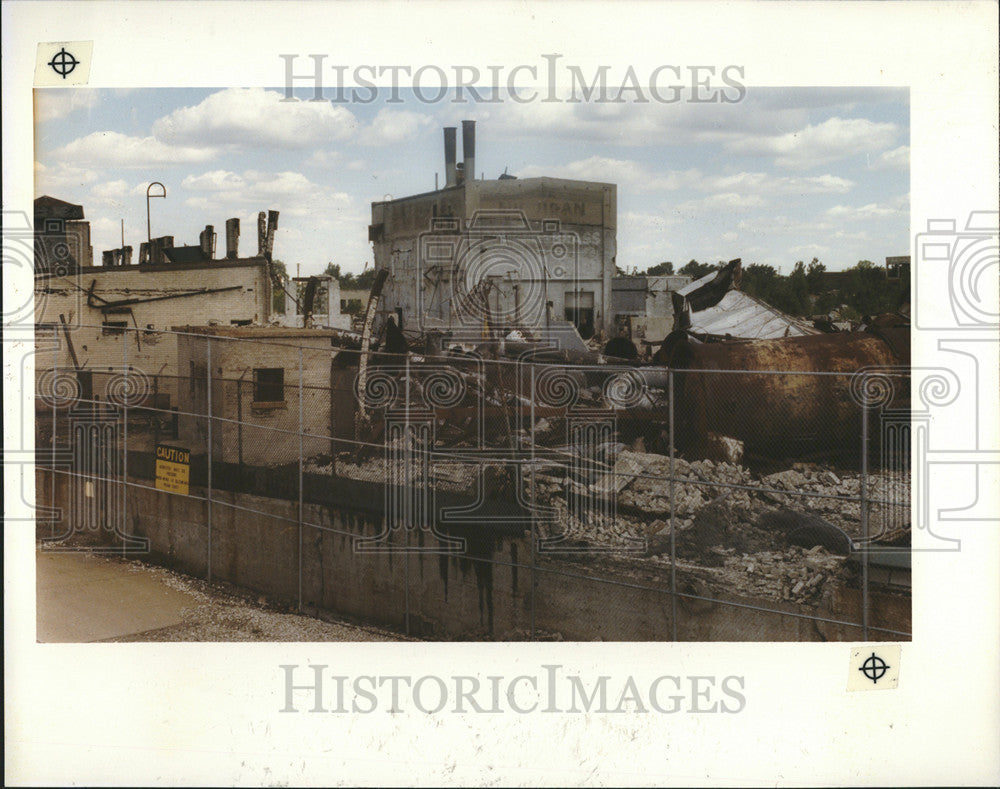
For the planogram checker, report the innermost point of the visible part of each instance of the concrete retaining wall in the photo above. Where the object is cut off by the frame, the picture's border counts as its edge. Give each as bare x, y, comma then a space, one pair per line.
485, 593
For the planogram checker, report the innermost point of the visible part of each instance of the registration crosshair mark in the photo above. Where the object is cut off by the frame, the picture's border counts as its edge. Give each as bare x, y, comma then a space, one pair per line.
63, 63
874, 668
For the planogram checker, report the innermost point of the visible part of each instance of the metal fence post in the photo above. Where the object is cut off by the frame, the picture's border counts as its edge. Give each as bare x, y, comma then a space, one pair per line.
301, 469
208, 453
673, 519
121, 495
533, 504
239, 424
156, 410
407, 495
55, 419
864, 514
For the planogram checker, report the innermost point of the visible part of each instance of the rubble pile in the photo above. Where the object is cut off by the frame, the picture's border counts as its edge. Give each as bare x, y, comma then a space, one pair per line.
763, 536
783, 536
792, 574
887, 496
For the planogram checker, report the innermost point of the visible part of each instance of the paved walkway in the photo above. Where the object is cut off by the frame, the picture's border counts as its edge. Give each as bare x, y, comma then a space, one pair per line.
84, 597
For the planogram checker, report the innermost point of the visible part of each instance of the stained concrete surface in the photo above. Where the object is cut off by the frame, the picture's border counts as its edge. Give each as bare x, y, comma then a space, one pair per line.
84, 597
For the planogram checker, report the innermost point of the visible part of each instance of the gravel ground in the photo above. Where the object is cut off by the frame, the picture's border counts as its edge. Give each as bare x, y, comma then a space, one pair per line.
223, 613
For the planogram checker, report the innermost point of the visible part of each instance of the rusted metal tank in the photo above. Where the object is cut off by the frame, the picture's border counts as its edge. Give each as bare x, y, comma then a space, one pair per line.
801, 397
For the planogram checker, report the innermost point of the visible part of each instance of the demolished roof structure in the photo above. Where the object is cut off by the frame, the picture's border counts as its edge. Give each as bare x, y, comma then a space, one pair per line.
739, 314
714, 307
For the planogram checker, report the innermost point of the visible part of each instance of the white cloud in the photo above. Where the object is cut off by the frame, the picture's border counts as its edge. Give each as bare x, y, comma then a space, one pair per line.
807, 250
113, 149
292, 193
51, 105
722, 201
214, 181
324, 159
59, 179
632, 176
628, 174
255, 118
765, 184
835, 138
870, 211
392, 126
896, 159
113, 192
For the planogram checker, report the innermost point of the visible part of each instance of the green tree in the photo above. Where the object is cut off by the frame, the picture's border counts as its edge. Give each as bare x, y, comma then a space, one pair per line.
279, 274
814, 277
759, 280
869, 292
798, 291
365, 279
694, 269
349, 281
665, 268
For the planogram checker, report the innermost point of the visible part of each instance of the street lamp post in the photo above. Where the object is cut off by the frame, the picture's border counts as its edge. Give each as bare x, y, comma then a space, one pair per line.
149, 232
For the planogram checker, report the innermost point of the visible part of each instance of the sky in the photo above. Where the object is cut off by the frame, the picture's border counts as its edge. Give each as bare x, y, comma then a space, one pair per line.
785, 174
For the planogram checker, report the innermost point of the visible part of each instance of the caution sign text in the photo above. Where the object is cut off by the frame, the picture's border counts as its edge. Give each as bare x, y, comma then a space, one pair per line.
173, 469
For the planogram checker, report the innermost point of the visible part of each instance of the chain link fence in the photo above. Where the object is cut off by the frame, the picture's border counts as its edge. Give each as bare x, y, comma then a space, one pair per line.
499, 494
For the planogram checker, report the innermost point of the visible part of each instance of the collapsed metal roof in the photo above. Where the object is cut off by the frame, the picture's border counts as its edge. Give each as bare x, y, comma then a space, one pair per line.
714, 305
741, 315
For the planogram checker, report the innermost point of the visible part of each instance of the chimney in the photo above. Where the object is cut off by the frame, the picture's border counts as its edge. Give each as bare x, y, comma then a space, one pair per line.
261, 233
232, 238
450, 175
206, 240
469, 150
272, 226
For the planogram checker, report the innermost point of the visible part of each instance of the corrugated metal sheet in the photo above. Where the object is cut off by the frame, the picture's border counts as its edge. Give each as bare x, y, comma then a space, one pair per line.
741, 315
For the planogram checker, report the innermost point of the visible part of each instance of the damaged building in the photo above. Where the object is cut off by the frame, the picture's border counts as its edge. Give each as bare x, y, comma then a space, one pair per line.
485, 255
62, 237
315, 302
643, 307
92, 307
269, 384
466, 467
103, 329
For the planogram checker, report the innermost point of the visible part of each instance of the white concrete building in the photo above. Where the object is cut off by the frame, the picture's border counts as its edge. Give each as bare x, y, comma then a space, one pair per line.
487, 254
255, 392
92, 322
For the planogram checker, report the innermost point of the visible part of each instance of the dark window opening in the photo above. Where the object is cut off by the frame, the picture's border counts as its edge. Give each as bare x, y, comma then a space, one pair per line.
583, 319
85, 380
269, 385
114, 327
246, 322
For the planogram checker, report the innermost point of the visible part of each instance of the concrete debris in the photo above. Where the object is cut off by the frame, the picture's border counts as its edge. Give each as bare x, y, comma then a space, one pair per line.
627, 467
829, 478
783, 536
723, 448
785, 480
726, 520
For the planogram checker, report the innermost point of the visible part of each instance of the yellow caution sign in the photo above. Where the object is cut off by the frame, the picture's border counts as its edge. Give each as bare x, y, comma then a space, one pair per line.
173, 469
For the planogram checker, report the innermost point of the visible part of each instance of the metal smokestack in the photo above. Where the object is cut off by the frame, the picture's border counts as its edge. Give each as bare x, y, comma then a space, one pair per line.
450, 174
469, 150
